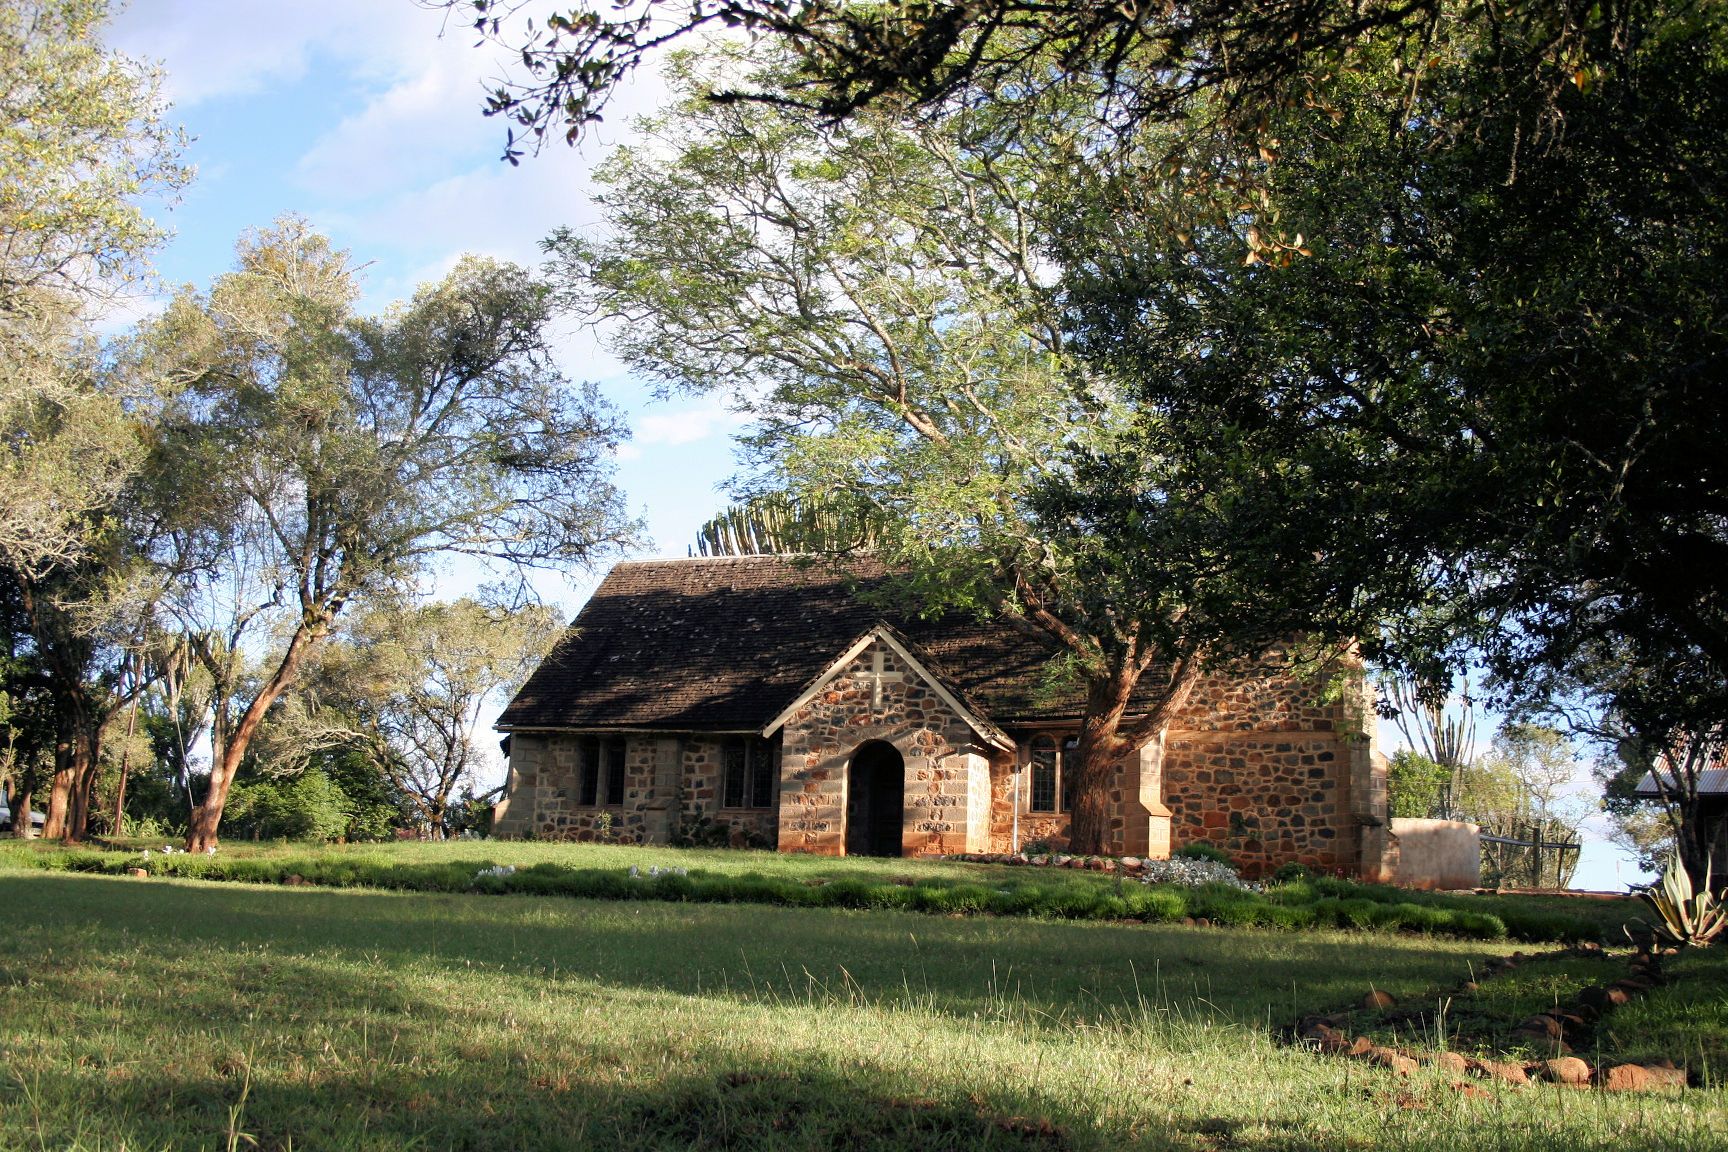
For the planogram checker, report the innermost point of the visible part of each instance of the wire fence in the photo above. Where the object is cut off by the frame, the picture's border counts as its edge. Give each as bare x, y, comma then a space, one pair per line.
1534, 856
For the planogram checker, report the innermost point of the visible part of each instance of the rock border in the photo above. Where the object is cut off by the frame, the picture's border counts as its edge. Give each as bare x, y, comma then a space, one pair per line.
1553, 1028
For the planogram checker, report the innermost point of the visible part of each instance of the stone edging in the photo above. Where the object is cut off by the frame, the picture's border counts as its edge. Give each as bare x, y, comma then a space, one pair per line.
1551, 1028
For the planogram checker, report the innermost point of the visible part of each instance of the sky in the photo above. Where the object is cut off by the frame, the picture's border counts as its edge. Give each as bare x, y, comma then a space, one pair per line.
364, 116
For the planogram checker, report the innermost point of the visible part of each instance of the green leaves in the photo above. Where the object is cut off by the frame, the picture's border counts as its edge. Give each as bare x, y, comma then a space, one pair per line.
1686, 917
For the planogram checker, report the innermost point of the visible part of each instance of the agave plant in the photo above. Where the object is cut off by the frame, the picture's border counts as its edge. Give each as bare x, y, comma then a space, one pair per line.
1686, 917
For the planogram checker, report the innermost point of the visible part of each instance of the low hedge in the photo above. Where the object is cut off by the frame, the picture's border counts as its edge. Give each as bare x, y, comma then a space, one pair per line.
1301, 904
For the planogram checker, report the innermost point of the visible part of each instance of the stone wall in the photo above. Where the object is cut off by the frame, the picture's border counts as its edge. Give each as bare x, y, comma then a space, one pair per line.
1270, 767
670, 782
946, 800
1265, 799
702, 765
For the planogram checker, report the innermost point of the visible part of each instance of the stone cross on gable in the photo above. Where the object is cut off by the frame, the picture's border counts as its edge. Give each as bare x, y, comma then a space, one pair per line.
879, 676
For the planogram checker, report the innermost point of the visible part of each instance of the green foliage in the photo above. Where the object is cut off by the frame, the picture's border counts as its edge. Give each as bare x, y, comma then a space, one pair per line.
310, 806
1415, 785
1686, 916
82, 142
1202, 850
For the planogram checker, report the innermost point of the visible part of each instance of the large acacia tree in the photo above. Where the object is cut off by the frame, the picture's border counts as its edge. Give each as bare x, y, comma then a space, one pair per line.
316, 457
875, 295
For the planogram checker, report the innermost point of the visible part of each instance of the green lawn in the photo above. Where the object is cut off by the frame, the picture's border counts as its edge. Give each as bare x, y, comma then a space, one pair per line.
147, 1014
932, 886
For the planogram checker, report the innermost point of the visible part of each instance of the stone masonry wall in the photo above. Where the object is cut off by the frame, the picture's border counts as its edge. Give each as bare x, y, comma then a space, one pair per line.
544, 790
702, 765
944, 809
1264, 766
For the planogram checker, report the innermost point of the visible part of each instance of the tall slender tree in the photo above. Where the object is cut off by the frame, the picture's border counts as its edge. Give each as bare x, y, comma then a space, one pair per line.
340, 457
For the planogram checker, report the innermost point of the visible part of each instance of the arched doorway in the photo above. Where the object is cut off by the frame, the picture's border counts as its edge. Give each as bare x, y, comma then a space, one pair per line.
875, 800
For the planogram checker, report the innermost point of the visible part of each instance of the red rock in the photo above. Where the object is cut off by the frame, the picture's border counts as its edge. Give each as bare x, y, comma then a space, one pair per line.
1669, 1077
1131, 862
1361, 1046
294, 880
1499, 1070
1542, 1025
1450, 1062
1626, 1078
138, 872
1392, 1060
1378, 999
1600, 999
1467, 986
1325, 1038
1565, 1070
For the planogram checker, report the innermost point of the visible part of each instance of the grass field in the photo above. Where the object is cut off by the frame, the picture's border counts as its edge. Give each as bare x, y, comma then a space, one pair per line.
939, 887
146, 1014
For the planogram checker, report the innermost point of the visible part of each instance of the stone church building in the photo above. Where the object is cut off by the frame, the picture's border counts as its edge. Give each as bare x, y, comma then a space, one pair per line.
776, 703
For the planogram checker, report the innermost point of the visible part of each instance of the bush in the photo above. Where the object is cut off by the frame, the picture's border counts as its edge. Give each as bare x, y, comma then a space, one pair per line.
309, 807
1290, 873
1201, 850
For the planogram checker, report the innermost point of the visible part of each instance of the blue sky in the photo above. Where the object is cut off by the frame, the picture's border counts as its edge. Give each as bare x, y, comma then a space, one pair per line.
364, 116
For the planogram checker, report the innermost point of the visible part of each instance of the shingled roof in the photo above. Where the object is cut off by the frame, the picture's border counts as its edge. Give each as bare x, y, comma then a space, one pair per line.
722, 644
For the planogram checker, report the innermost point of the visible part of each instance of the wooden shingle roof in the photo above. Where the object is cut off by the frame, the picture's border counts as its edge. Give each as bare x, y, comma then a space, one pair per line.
723, 644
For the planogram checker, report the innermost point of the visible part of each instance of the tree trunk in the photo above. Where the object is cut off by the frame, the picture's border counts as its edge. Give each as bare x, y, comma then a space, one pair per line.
59, 802
69, 766
23, 795
1103, 744
87, 748
1100, 748
201, 833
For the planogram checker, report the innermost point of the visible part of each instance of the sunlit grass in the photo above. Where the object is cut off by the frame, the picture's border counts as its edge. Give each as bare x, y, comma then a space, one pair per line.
167, 1014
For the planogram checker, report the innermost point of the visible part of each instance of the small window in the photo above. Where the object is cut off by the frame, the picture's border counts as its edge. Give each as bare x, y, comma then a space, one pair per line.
599, 771
749, 770
588, 771
1044, 774
614, 771
1053, 766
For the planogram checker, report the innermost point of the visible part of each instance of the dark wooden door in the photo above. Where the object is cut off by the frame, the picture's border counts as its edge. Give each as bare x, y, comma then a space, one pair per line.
875, 801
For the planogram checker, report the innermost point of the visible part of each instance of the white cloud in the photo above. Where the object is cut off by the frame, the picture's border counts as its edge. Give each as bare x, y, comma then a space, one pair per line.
221, 48
694, 421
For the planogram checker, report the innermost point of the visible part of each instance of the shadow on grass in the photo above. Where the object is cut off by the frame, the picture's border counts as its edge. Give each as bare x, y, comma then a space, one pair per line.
762, 1106
157, 1015
1053, 974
